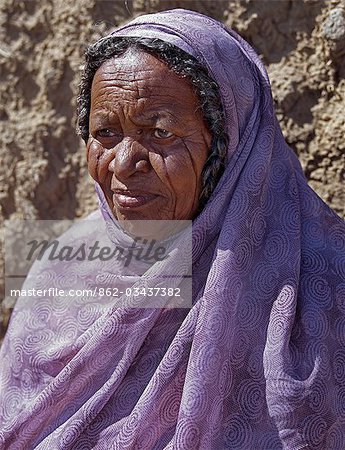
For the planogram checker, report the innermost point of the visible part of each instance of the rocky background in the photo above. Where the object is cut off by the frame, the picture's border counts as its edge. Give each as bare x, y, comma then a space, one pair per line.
43, 172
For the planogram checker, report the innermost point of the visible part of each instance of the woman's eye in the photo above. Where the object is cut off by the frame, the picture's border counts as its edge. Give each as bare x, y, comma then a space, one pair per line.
160, 133
106, 132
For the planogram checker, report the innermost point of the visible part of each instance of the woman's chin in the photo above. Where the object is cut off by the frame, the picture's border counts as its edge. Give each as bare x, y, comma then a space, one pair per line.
148, 226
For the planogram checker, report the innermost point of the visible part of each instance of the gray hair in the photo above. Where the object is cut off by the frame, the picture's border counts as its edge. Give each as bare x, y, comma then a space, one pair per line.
182, 64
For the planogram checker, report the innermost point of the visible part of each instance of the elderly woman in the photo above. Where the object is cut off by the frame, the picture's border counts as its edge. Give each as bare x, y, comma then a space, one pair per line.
177, 115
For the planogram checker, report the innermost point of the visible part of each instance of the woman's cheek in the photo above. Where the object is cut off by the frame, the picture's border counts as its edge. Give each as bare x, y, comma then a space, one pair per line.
94, 152
99, 159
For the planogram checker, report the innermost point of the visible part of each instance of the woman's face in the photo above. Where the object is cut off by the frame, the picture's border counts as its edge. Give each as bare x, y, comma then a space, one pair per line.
148, 141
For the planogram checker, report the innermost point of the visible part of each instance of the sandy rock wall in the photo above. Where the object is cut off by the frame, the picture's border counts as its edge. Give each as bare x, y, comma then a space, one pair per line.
42, 164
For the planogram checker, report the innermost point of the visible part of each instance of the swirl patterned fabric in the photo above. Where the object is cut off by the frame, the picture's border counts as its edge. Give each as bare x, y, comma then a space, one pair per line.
256, 363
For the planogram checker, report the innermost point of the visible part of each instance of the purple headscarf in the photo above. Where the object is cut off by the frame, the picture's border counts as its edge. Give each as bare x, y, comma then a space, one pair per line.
257, 362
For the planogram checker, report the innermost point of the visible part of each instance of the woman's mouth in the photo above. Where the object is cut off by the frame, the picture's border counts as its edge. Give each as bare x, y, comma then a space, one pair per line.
132, 199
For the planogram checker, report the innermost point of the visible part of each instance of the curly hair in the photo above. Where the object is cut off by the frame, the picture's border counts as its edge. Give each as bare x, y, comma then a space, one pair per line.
182, 64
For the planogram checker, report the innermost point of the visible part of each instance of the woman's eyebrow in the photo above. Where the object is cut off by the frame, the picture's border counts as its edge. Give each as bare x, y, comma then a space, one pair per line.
102, 117
140, 118
153, 117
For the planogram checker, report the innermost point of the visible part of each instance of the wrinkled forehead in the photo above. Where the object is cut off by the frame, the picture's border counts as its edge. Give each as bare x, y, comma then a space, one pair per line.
230, 61
141, 83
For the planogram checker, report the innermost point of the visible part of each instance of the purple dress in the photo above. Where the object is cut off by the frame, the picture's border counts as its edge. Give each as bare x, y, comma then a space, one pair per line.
258, 362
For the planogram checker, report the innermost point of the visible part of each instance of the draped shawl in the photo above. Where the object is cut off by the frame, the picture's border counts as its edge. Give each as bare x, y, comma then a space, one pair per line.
257, 361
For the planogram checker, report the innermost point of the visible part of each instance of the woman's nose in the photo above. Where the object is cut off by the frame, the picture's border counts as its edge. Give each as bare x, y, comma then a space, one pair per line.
129, 157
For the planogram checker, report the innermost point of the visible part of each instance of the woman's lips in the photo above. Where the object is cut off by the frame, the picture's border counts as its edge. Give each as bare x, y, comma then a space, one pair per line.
130, 199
